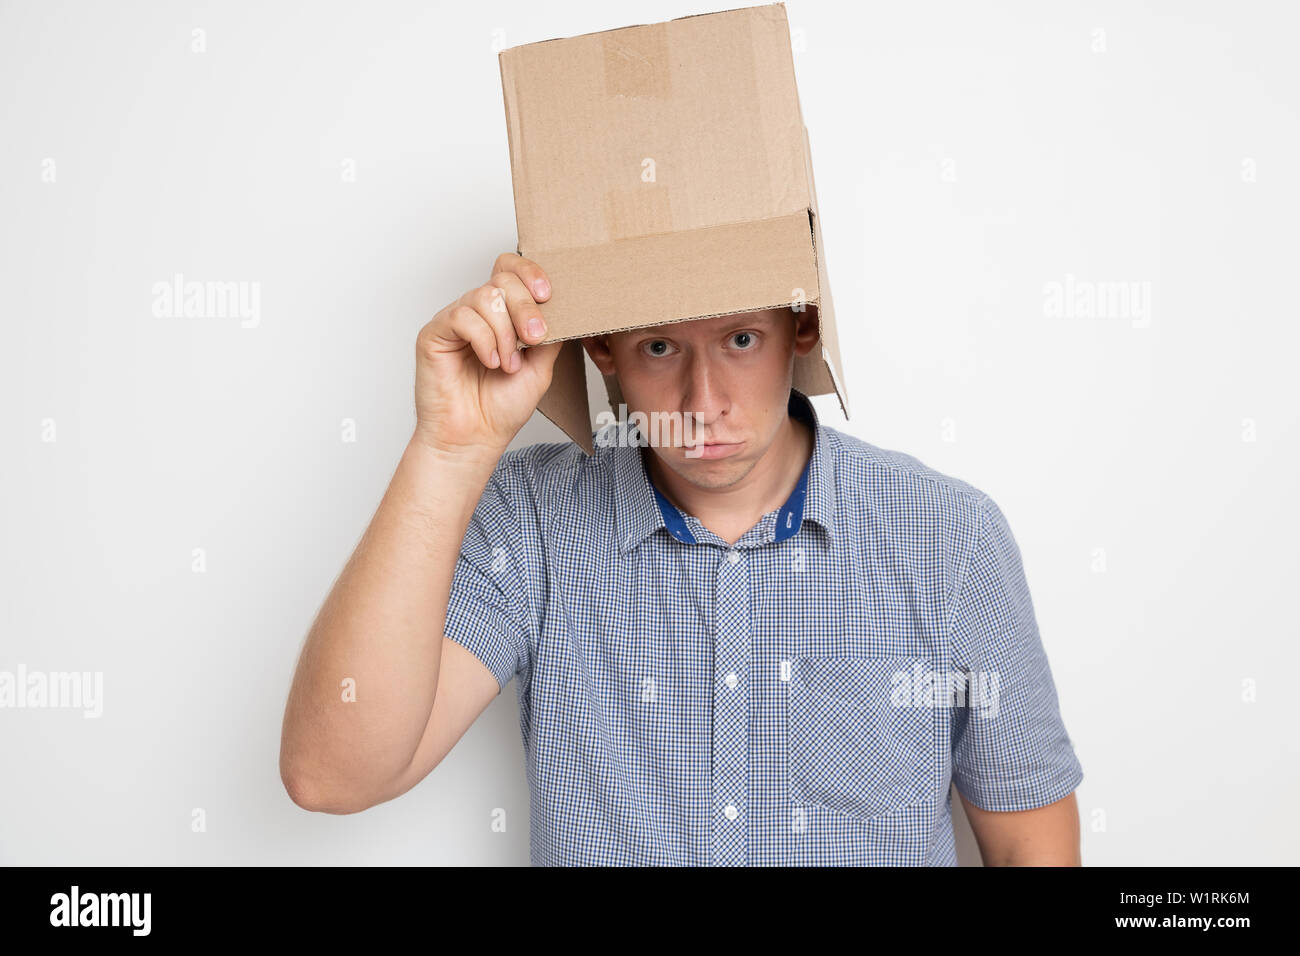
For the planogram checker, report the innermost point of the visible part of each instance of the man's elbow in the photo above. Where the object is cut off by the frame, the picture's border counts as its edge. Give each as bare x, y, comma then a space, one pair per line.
311, 792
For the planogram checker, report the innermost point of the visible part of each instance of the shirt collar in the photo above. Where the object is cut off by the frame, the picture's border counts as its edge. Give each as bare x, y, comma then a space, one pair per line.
641, 509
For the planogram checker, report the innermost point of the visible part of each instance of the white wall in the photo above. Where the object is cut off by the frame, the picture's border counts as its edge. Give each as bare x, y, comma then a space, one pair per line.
967, 156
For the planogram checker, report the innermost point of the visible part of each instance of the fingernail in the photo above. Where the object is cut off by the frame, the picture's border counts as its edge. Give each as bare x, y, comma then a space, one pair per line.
496, 359
515, 360
535, 327
542, 287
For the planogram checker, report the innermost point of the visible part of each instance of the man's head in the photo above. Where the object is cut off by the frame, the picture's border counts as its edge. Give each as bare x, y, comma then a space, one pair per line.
732, 374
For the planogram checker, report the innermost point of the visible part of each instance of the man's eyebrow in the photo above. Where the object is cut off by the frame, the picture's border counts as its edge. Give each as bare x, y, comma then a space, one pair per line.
755, 319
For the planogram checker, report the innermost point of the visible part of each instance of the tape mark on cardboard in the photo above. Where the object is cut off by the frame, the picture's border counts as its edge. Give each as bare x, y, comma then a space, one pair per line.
636, 62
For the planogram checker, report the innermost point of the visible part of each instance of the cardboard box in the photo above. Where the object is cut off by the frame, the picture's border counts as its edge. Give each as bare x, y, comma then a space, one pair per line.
661, 173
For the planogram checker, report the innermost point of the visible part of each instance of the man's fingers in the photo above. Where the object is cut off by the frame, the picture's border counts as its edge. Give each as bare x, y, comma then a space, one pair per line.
524, 314
469, 326
490, 302
497, 318
530, 273
539, 361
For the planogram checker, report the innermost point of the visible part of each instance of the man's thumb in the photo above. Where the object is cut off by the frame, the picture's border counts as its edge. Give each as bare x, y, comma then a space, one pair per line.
539, 360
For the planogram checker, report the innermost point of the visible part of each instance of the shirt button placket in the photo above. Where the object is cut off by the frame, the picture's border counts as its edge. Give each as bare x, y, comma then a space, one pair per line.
731, 703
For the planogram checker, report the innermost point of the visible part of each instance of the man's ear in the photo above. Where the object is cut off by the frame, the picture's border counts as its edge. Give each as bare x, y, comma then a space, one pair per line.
806, 333
597, 347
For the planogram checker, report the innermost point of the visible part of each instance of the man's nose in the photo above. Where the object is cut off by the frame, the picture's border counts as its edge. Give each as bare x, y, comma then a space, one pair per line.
705, 397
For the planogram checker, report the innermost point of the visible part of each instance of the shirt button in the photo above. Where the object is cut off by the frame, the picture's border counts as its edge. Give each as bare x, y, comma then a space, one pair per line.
731, 812
733, 556
732, 681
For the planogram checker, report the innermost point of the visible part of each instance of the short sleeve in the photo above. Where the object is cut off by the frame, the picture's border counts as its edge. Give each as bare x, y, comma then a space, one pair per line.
489, 608
1009, 745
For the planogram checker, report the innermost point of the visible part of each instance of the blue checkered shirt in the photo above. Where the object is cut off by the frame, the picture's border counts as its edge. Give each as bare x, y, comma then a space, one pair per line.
687, 702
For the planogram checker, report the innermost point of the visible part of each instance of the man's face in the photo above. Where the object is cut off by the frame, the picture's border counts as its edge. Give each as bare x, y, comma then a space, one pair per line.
730, 374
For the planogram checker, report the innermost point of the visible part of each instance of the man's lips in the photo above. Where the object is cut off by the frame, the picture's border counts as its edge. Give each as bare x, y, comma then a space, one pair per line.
713, 449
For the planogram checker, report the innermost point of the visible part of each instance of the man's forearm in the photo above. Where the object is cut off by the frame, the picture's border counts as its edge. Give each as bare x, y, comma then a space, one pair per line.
381, 627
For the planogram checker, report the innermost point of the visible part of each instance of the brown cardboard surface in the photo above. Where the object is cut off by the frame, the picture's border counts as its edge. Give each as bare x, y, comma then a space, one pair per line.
662, 172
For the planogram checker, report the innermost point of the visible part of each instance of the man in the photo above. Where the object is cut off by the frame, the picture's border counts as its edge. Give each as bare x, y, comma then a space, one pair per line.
727, 653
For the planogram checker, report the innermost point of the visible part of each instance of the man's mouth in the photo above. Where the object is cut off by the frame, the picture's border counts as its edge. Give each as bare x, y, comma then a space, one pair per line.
713, 450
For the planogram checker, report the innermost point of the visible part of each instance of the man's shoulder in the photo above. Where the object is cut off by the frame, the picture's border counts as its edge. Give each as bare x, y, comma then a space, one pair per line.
890, 480
542, 457
555, 470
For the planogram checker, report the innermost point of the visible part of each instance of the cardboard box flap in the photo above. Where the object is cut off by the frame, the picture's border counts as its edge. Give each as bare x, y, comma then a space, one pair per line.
704, 272
832, 367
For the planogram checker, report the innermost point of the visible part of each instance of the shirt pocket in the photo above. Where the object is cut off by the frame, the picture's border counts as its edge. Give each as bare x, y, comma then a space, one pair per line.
856, 742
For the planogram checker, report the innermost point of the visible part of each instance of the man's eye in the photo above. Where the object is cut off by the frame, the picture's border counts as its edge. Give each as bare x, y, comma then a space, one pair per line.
657, 348
744, 340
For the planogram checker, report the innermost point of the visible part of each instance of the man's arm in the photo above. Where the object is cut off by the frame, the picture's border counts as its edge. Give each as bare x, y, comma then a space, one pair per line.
1045, 836
381, 626
1013, 762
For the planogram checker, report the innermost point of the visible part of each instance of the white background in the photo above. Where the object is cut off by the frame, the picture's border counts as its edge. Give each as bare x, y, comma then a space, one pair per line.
967, 156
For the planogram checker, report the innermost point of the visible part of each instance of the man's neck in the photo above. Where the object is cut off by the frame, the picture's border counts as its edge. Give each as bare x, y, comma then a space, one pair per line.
730, 512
